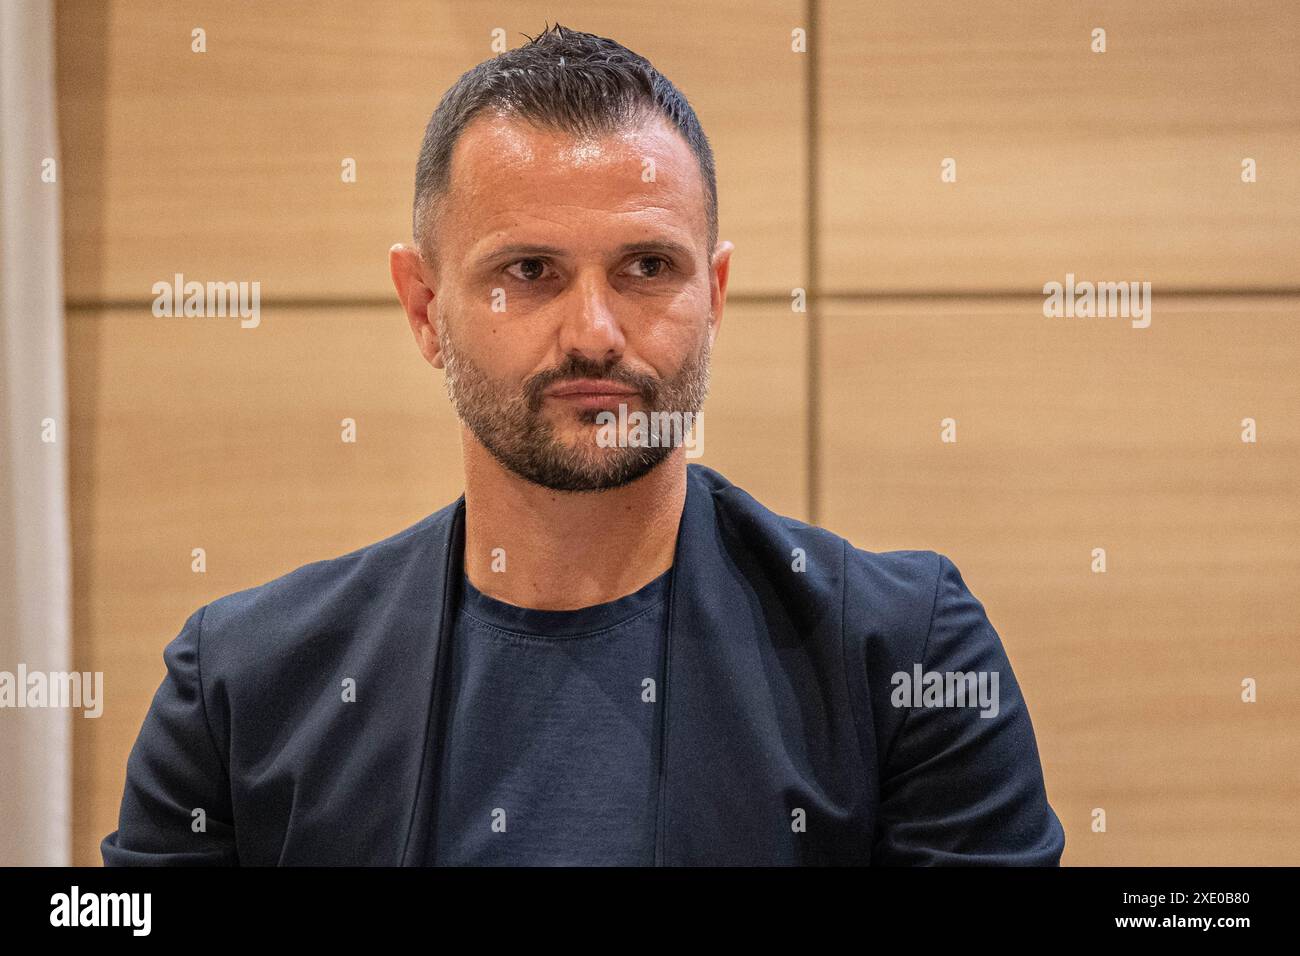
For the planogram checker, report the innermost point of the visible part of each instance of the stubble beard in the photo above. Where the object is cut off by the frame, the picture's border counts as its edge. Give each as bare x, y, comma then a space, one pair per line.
513, 425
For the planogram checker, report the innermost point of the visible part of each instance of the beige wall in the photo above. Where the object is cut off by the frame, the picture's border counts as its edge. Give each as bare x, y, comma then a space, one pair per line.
925, 300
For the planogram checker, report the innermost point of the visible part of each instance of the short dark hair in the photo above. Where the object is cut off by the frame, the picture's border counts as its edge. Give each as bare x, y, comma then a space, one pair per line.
561, 81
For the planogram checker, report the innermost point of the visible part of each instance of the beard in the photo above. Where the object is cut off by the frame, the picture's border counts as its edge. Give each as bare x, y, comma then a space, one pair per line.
512, 424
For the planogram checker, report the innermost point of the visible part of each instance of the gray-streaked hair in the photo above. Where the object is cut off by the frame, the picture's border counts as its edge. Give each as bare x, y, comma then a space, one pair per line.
560, 81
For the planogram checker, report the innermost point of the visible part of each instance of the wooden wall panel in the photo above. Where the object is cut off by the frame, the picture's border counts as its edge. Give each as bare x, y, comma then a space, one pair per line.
756, 416
225, 165
1116, 166
1074, 434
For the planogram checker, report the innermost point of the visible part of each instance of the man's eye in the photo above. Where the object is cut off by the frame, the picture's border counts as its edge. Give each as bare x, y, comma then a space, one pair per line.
534, 269
654, 273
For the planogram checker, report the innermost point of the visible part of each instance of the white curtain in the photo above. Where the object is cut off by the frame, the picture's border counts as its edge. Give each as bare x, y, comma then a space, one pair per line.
35, 612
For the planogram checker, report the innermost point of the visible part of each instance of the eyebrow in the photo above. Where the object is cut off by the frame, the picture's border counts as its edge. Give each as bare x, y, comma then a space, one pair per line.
668, 247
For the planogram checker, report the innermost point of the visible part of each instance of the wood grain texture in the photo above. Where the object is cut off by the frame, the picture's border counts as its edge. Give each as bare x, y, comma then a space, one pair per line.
1115, 166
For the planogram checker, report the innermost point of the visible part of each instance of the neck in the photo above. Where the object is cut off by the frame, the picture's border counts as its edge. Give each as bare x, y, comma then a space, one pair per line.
564, 550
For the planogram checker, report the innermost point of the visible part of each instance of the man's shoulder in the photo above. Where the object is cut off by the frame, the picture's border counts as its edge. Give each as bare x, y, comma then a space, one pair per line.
900, 577
334, 588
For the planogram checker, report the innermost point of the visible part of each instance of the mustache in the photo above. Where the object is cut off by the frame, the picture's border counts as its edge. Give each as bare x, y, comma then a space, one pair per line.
576, 368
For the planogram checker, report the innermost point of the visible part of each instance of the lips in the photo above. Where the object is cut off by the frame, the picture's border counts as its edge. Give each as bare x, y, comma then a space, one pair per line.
593, 388
591, 393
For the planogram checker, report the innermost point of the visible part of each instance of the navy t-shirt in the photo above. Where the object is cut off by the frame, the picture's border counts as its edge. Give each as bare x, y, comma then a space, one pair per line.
551, 749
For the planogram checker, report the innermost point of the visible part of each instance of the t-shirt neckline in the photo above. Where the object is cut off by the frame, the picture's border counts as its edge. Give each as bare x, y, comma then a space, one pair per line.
578, 622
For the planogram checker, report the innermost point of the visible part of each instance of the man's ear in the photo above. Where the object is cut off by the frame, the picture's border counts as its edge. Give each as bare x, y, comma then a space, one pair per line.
720, 267
413, 290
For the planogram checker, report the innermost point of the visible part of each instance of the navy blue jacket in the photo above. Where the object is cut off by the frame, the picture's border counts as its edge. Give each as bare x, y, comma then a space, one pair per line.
785, 740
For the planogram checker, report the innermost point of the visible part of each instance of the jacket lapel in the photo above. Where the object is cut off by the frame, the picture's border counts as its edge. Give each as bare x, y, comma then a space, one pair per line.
706, 784
430, 617
758, 764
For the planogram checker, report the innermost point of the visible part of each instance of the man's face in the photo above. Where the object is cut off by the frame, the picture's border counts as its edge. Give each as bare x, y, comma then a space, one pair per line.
573, 277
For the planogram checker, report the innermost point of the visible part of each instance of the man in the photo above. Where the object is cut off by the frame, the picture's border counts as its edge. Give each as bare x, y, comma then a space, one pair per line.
597, 655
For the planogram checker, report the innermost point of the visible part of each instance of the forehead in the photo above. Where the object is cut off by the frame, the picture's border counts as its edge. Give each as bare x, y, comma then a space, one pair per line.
507, 174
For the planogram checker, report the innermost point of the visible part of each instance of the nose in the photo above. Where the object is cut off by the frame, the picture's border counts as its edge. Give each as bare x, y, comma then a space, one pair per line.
590, 327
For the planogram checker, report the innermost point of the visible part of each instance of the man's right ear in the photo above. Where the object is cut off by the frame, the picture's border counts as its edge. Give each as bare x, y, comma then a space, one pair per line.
413, 290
